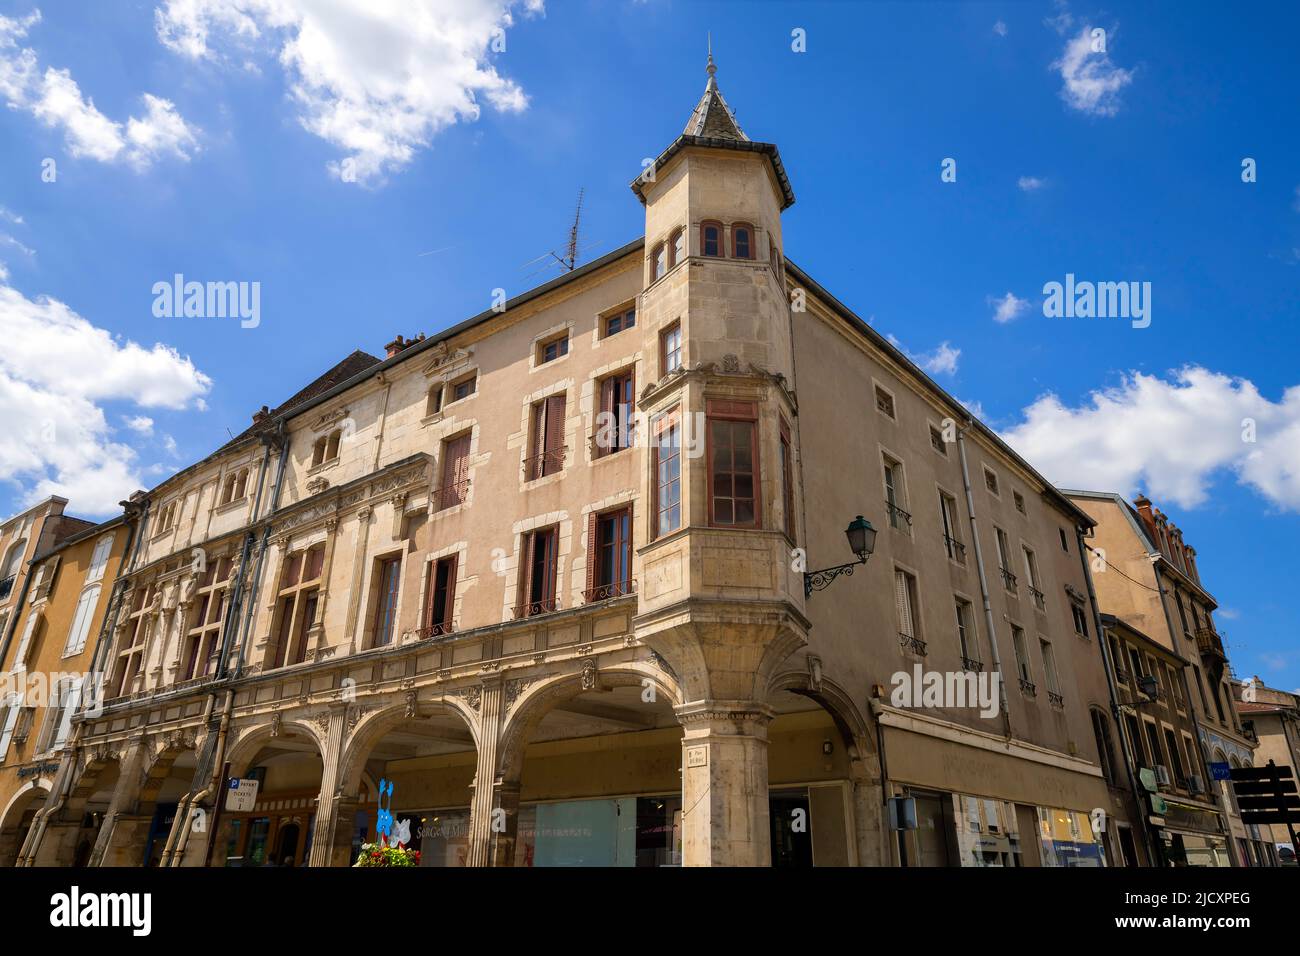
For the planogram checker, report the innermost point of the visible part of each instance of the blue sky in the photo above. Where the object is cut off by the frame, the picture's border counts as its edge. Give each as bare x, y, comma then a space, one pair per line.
385, 174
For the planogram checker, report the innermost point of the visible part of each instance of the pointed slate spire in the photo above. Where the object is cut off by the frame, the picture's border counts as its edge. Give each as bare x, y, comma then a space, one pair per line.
712, 116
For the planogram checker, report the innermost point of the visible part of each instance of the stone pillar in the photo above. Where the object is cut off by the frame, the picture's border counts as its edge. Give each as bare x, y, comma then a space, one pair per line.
491, 712
330, 804
507, 801
724, 783
125, 796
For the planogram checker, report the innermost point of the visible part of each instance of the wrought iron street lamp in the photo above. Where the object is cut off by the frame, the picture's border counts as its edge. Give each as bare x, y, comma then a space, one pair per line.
862, 541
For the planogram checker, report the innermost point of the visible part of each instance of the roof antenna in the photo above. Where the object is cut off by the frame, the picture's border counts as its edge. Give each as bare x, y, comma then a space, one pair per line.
571, 253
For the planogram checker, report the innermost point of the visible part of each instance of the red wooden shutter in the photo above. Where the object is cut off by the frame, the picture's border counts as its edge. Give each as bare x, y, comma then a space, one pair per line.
455, 470
555, 407
593, 553
449, 601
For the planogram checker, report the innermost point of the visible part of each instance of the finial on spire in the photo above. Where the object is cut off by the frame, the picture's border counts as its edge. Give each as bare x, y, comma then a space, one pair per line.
710, 69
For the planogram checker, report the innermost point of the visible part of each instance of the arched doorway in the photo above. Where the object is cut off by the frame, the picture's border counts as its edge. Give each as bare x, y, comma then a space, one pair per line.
169, 780
429, 753
16, 819
595, 760
276, 830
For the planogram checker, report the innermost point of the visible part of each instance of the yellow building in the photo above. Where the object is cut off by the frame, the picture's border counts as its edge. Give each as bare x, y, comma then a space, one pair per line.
47, 670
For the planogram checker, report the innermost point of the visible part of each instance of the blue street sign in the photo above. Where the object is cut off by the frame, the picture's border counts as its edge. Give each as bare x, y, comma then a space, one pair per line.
1220, 771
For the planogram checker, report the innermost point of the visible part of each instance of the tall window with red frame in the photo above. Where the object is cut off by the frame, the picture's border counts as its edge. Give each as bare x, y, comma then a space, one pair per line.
733, 464
538, 572
612, 556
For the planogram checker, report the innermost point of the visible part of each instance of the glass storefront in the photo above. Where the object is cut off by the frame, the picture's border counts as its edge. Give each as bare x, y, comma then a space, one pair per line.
1066, 839
987, 832
1195, 849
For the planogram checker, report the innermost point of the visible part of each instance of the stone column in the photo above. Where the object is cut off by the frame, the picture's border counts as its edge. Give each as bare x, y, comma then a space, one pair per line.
330, 804
724, 783
491, 711
125, 796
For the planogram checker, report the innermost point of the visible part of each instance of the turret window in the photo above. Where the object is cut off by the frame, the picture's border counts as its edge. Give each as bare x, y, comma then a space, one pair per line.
659, 262
742, 240
711, 239
677, 247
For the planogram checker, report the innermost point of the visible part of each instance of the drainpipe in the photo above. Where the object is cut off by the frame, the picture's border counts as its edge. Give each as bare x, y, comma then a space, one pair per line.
984, 583
1191, 710
282, 440
1148, 841
179, 838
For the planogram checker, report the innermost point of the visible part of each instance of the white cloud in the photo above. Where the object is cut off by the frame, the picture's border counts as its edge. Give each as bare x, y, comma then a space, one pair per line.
1007, 307
56, 100
12, 217
142, 424
1170, 437
1000, 28
1030, 183
378, 79
942, 361
1090, 81
55, 371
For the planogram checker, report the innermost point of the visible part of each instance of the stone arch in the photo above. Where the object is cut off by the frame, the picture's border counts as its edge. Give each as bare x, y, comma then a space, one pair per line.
29, 797
252, 739
854, 728
372, 727
538, 700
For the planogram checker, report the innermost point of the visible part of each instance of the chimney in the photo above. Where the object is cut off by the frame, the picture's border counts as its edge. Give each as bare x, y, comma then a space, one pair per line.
261, 415
399, 344
1143, 505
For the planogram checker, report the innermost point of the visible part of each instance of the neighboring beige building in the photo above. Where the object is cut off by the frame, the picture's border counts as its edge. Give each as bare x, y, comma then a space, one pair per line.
545, 572
1272, 717
22, 537
1146, 576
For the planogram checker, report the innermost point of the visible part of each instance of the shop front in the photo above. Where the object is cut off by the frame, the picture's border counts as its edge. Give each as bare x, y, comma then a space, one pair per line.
1192, 836
276, 832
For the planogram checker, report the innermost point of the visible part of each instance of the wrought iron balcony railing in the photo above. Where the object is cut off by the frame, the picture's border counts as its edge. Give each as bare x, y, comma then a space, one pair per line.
614, 589
898, 518
970, 664
1055, 699
1008, 580
1040, 600
913, 644
1028, 687
428, 631
547, 463
956, 550
533, 608
1210, 643
450, 495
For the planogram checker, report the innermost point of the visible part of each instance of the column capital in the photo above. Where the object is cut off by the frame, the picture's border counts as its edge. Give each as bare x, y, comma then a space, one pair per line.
710, 711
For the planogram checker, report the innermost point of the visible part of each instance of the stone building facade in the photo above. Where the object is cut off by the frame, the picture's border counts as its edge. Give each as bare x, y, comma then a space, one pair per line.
546, 571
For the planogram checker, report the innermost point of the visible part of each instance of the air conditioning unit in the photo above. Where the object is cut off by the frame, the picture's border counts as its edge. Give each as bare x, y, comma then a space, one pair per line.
1195, 784
1163, 780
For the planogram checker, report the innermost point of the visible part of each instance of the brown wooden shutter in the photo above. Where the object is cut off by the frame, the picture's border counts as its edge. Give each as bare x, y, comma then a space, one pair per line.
450, 600
455, 469
526, 569
555, 408
593, 554
551, 542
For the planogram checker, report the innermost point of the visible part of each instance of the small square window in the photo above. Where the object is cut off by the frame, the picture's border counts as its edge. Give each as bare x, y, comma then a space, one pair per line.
619, 321
990, 481
464, 388
884, 402
1019, 499
550, 351
937, 442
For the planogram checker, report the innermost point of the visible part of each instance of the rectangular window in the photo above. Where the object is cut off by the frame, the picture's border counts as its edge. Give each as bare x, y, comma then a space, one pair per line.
440, 597
1004, 560
464, 387
80, 629
550, 351
937, 442
615, 429
787, 480
733, 464
905, 607
538, 573
1049, 667
711, 238
455, 472
434, 404
990, 481
1031, 575
670, 348
1065, 543
884, 402
99, 559
1175, 758
547, 448
610, 556
1135, 739
1019, 500
388, 573
1080, 618
966, 635
1022, 659
895, 495
667, 466
1153, 744
951, 540
619, 321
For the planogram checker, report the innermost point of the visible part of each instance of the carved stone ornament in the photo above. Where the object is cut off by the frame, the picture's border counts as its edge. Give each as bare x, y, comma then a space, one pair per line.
473, 696
515, 687
814, 673
318, 484
412, 704
590, 679
277, 723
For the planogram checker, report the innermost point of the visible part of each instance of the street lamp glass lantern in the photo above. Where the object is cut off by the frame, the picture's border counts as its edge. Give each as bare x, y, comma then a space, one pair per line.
862, 537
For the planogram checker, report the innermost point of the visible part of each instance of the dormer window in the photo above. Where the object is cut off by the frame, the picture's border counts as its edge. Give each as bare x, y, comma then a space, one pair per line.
742, 240
235, 486
659, 262
711, 239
